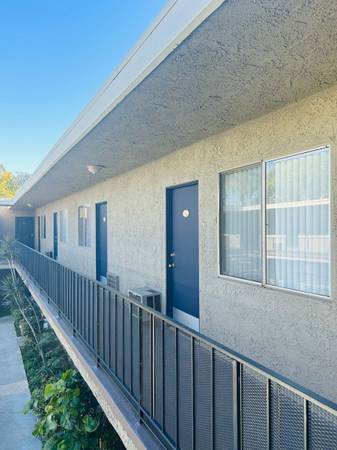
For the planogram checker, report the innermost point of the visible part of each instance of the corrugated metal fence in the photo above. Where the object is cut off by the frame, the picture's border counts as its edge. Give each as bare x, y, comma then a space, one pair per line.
190, 391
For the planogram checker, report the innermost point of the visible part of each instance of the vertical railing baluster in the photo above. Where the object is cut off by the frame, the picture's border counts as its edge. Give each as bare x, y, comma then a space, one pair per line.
268, 413
98, 330
115, 331
236, 406
163, 373
109, 340
212, 399
140, 359
103, 326
193, 393
177, 384
152, 367
131, 349
305, 424
123, 342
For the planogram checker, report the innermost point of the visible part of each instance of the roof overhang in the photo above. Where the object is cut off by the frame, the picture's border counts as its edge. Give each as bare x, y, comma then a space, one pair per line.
6, 202
204, 66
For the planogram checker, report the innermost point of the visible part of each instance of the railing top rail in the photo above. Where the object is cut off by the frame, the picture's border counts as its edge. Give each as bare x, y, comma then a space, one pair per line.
265, 371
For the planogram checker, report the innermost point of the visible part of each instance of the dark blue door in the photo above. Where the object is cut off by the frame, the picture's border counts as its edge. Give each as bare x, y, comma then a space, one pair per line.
56, 239
24, 230
101, 242
183, 254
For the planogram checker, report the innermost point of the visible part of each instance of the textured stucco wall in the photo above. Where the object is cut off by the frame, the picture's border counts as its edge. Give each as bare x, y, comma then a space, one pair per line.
293, 334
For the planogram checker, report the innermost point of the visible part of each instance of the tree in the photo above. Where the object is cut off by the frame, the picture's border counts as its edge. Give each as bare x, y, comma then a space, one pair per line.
10, 182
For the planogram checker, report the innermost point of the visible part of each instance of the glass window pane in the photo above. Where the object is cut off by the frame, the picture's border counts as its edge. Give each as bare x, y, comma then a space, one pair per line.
298, 234
80, 225
87, 226
240, 223
63, 225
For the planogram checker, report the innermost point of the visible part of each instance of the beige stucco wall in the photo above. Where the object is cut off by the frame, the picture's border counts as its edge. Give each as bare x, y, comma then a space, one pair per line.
293, 334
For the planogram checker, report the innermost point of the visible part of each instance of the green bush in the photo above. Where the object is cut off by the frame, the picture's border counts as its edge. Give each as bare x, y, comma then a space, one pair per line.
66, 418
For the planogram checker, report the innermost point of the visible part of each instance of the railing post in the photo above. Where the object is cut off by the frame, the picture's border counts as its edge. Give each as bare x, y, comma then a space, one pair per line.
152, 350
98, 329
140, 350
305, 424
236, 405
73, 301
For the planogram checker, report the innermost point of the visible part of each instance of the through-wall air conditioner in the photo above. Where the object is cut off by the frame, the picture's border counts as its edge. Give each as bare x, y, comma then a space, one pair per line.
147, 296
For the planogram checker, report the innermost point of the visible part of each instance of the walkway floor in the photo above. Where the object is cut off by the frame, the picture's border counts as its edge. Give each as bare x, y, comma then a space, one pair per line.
15, 427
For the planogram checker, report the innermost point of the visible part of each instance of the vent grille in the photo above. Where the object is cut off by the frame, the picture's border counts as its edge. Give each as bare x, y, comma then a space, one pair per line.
113, 281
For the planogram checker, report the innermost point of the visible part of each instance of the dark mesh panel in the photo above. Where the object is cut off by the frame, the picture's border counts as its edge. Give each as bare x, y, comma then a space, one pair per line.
113, 332
80, 300
95, 334
106, 319
202, 395
254, 410
83, 308
91, 318
146, 361
170, 385
286, 418
158, 367
135, 352
322, 429
127, 345
185, 391
119, 338
223, 402
101, 330
85, 304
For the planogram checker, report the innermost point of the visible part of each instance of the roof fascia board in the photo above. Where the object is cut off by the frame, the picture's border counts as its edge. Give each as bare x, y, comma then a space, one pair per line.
175, 22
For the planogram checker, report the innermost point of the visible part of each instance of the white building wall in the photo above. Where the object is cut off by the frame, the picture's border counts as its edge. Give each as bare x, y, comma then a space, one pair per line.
290, 333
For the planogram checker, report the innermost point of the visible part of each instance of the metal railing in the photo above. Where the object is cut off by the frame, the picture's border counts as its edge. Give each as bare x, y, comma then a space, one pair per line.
190, 391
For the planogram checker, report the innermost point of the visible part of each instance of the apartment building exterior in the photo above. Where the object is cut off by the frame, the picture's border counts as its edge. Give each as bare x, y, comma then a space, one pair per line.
205, 170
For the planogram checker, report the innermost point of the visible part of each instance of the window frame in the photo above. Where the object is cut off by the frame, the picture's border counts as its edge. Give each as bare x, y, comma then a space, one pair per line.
230, 171
263, 233
87, 239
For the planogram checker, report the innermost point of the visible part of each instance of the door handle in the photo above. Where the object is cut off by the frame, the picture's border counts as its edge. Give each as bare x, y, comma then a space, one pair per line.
171, 266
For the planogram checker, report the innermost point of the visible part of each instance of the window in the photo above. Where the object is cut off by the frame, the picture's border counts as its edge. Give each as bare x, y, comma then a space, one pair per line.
64, 225
240, 243
84, 226
292, 249
44, 226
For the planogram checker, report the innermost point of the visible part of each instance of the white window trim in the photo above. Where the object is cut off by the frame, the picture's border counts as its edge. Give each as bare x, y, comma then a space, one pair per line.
263, 283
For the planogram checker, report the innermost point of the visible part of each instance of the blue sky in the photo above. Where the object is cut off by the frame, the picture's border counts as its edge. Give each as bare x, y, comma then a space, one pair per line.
54, 56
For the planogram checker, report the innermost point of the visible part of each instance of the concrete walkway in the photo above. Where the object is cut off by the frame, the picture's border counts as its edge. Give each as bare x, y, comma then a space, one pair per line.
15, 427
